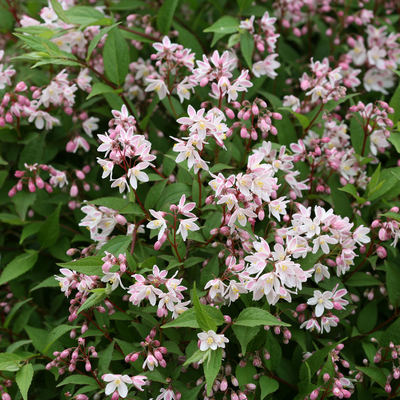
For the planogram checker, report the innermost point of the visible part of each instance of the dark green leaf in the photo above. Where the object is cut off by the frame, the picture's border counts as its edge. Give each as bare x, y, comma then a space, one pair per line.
93, 300
23, 201
13, 311
55, 334
393, 282
268, 385
19, 266
165, 15
97, 39
154, 194
50, 231
245, 334
367, 317
79, 380
357, 136
375, 374
105, 359
362, 279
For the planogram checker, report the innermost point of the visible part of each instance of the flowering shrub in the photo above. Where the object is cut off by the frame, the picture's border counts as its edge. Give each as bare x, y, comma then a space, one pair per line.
199, 200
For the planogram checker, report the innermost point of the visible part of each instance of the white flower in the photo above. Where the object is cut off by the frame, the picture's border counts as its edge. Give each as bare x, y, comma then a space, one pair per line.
113, 279
90, 125
160, 222
187, 225
117, 382
210, 340
320, 272
321, 301
159, 86
135, 174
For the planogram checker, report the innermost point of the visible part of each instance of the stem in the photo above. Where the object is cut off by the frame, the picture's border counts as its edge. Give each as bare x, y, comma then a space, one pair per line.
170, 103
124, 28
200, 185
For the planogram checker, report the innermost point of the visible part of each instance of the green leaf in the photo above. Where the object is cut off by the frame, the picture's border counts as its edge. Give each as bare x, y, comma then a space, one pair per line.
245, 335
50, 231
59, 10
116, 56
97, 39
205, 322
211, 368
9, 362
16, 345
187, 39
234, 39
391, 214
340, 199
210, 271
362, 279
173, 193
274, 350
165, 15
117, 245
268, 386
115, 203
105, 358
392, 334
304, 121
245, 374
357, 136
83, 15
19, 266
93, 300
99, 88
13, 311
225, 24
127, 5
393, 282
395, 104
247, 47
24, 379
351, 189
88, 265
219, 167
79, 380
367, 318
55, 334
195, 357
150, 110
314, 362
395, 138
132, 208
375, 374
154, 194
23, 201
256, 316
30, 230
188, 318
38, 337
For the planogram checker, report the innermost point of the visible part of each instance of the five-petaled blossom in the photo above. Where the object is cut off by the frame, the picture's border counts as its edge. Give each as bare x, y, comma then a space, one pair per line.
210, 340
117, 382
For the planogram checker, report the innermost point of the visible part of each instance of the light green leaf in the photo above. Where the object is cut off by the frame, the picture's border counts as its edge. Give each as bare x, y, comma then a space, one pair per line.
99, 88
19, 266
376, 374
256, 316
245, 335
16, 345
24, 379
195, 357
395, 137
247, 47
205, 322
211, 368
93, 300
59, 10
88, 265
225, 24
9, 362
127, 5
83, 15
117, 245
304, 121
97, 39
116, 56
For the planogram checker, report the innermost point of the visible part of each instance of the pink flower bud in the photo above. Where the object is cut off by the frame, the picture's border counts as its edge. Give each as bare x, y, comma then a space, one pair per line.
21, 86
388, 388
5, 396
64, 354
12, 192
81, 397
31, 186
88, 366
115, 395
134, 357
9, 118
74, 190
229, 113
381, 252
314, 394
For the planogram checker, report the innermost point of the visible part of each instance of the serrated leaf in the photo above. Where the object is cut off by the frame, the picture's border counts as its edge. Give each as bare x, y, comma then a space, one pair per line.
59, 10
99, 88
165, 15
95, 41
225, 24
219, 167
30, 230
105, 358
116, 56
22, 201
89, 265
48, 282
357, 134
188, 318
93, 300
393, 282
268, 386
117, 245
24, 379
50, 231
195, 357
256, 317
19, 266
211, 368
245, 334
16, 345
203, 319
362, 279
79, 380
9, 362
375, 374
